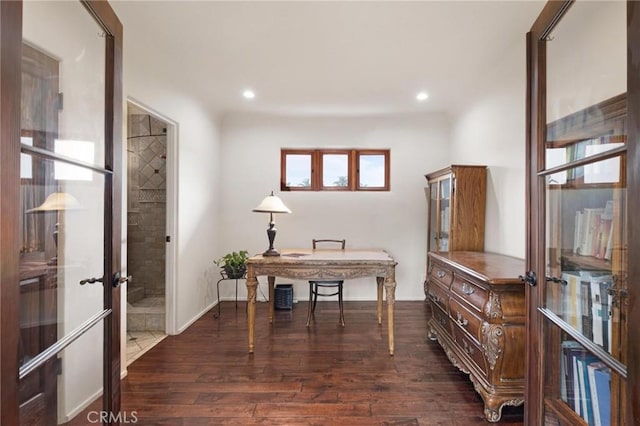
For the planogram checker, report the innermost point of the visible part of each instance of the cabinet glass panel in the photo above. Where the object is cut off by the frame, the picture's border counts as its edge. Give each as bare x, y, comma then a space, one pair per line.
433, 216
445, 201
586, 247
580, 382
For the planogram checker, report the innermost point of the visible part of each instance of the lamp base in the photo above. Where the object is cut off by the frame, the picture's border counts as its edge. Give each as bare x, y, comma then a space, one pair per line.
271, 252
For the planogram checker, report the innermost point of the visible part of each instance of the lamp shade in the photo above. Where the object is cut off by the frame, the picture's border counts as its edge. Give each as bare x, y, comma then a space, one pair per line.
272, 204
57, 201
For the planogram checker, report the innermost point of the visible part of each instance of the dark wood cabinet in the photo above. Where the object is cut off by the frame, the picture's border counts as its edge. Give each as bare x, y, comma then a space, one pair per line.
478, 313
456, 205
583, 195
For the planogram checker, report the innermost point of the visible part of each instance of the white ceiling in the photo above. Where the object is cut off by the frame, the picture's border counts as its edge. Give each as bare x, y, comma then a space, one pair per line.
325, 57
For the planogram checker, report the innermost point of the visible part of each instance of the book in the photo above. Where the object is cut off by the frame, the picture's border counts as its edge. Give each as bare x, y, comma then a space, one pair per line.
572, 299
586, 316
599, 385
608, 249
595, 403
591, 223
582, 361
569, 390
596, 232
604, 230
577, 404
577, 234
600, 308
602, 379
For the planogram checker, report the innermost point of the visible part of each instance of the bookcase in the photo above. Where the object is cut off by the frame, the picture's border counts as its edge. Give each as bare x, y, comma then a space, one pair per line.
582, 194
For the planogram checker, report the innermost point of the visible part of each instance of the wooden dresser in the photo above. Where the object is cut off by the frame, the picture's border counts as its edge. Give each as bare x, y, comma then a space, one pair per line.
478, 317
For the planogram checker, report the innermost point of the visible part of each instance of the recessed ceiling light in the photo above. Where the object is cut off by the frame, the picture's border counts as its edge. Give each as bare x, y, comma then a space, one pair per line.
248, 94
422, 96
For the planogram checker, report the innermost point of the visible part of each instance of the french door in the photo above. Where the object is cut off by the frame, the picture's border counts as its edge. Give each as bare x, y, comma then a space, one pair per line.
60, 160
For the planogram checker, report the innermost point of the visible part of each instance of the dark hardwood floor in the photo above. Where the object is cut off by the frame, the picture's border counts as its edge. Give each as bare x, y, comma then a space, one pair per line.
322, 375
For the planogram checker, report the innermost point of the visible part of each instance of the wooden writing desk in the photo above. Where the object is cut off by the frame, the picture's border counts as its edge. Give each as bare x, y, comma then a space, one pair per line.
307, 264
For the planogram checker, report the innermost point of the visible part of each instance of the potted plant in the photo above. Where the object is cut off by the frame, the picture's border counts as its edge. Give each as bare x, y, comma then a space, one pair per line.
233, 264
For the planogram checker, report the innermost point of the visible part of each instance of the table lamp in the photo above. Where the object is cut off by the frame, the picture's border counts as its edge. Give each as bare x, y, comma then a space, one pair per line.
271, 204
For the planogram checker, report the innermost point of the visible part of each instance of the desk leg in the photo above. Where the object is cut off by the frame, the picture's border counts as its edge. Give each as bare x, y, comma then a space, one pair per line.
252, 285
272, 297
380, 281
390, 288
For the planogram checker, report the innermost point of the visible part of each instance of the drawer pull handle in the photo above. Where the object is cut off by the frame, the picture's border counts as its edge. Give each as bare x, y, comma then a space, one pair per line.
441, 274
461, 320
468, 348
467, 289
443, 322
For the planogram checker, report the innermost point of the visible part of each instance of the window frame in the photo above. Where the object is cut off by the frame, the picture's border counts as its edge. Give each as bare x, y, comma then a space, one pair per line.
283, 169
353, 172
386, 154
320, 153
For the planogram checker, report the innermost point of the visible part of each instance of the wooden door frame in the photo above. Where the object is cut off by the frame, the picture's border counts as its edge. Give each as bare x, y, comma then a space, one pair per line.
633, 205
10, 91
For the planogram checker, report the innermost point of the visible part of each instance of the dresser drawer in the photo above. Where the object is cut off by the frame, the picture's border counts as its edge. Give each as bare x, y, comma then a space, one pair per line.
441, 274
438, 296
442, 319
471, 349
465, 319
471, 293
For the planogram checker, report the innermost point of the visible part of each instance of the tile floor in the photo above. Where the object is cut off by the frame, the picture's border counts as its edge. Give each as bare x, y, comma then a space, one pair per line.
146, 314
139, 342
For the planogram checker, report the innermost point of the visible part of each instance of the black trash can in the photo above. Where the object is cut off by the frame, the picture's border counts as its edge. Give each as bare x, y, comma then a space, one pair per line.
284, 296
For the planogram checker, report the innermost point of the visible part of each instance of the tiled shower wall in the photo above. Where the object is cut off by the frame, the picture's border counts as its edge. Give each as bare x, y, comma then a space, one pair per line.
147, 196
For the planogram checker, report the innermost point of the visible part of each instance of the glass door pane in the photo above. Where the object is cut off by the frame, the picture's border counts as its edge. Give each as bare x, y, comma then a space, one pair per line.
63, 182
445, 201
579, 380
585, 186
433, 217
585, 250
65, 77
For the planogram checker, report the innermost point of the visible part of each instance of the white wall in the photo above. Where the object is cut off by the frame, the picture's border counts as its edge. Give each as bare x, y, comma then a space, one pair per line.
197, 178
491, 131
394, 221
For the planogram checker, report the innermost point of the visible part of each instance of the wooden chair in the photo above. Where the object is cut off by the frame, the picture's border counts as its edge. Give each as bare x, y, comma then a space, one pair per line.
317, 287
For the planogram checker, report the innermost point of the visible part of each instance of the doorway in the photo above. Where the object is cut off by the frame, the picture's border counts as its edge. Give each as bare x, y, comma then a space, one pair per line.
148, 237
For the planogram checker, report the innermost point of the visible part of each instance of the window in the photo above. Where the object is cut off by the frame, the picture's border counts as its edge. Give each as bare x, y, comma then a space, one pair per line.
334, 170
298, 166
373, 170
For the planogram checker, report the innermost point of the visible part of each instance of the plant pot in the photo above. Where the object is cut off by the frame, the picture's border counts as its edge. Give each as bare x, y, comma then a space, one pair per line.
235, 271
